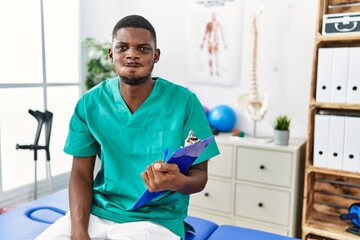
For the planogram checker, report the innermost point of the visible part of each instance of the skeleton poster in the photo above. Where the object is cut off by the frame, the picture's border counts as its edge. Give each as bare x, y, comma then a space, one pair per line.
214, 41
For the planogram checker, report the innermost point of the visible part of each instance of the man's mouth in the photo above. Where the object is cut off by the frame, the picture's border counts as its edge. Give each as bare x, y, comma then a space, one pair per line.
132, 64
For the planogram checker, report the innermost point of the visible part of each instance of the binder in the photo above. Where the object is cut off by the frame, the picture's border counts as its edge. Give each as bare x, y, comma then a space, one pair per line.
324, 74
353, 82
184, 157
339, 75
336, 142
321, 140
352, 144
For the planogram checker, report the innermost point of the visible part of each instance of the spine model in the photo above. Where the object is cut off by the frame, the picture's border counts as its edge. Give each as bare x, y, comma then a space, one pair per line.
254, 89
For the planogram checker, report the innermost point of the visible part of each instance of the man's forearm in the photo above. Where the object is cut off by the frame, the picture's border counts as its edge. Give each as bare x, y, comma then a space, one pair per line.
81, 196
196, 179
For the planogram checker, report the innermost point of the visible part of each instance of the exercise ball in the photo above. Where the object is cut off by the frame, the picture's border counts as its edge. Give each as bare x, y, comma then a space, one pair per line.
222, 118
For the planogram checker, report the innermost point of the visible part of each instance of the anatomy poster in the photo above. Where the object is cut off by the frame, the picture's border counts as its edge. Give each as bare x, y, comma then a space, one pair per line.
214, 41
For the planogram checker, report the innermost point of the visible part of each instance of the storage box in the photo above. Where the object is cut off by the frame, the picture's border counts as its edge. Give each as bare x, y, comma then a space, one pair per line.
341, 24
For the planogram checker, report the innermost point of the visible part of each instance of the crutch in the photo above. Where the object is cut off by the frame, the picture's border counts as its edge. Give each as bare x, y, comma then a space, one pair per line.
41, 118
48, 116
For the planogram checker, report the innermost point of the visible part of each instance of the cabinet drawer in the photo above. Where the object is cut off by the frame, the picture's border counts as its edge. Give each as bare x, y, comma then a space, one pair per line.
221, 165
262, 204
216, 196
264, 166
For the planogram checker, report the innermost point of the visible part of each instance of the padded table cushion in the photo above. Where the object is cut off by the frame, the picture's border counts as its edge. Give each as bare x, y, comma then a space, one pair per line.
203, 228
229, 232
29, 220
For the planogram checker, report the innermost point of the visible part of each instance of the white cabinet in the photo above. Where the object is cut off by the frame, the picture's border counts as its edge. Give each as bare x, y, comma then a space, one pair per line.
216, 196
254, 185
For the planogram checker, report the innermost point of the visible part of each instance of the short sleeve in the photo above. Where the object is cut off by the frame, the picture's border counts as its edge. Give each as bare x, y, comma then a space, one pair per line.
80, 142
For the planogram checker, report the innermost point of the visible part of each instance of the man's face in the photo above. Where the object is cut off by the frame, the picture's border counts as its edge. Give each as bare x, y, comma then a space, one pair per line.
133, 54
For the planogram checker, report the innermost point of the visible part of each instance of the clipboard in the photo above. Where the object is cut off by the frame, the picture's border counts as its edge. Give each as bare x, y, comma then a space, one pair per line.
184, 157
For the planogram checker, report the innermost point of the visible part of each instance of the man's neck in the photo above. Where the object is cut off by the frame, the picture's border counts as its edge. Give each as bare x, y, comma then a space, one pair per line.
134, 96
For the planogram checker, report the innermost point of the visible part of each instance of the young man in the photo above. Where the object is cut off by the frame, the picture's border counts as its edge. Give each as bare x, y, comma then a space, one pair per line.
128, 121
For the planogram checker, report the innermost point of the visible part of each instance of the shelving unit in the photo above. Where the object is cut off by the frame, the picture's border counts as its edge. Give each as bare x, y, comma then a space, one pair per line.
328, 193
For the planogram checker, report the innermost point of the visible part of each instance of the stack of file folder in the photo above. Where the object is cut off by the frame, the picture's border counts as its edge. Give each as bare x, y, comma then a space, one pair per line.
338, 75
337, 142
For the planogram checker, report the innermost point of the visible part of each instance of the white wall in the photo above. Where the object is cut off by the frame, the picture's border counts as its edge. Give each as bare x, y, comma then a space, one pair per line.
286, 40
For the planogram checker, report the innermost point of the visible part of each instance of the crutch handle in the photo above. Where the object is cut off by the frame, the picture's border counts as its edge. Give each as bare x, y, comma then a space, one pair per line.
30, 147
22, 146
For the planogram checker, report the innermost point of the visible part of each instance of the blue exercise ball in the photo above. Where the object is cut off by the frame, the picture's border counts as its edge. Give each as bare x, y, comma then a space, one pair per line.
222, 118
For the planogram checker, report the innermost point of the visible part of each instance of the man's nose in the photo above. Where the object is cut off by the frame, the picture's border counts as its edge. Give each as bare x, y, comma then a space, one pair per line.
132, 53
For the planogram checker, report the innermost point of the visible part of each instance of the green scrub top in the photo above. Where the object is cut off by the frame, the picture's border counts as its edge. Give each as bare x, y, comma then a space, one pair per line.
126, 143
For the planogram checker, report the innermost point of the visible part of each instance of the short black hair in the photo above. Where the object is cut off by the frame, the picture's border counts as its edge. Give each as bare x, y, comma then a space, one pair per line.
134, 21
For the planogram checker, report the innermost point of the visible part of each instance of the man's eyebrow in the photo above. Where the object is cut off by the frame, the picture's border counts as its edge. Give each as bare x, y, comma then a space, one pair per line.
121, 43
144, 44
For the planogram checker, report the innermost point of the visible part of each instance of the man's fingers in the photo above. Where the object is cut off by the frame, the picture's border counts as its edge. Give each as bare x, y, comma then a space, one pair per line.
148, 177
158, 175
150, 172
157, 166
165, 167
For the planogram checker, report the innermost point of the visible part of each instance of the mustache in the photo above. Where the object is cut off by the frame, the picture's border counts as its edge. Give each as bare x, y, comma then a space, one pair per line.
132, 64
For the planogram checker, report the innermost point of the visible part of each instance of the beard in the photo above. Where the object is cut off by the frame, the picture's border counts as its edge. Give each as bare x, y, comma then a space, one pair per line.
134, 81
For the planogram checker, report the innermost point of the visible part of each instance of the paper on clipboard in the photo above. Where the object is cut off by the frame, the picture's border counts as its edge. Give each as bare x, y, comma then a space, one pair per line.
184, 158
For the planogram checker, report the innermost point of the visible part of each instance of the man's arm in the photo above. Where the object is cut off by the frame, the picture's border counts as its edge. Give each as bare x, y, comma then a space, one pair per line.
163, 176
81, 195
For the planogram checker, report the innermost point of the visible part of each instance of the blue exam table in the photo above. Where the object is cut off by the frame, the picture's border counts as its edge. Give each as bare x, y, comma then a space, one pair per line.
29, 220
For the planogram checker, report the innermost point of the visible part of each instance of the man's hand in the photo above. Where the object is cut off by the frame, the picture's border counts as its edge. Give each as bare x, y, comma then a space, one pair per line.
161, 176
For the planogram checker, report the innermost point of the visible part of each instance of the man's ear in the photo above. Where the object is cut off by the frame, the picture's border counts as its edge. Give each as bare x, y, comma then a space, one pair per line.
157, 55
110, 54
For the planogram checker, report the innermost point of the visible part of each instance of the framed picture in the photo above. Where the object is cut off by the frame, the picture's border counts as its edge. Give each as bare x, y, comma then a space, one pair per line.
214, 29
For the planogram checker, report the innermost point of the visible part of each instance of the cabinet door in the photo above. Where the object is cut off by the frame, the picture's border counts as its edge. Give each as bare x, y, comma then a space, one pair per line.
221, 165
216, 196
262, 204
264, 166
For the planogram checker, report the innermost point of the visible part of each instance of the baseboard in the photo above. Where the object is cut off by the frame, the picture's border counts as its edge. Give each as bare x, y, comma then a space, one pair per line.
25, 194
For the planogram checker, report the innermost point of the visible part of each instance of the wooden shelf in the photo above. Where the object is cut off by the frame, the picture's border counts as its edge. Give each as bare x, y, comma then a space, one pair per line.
354, 39
311, 169
335, 106
328, 193
327, 225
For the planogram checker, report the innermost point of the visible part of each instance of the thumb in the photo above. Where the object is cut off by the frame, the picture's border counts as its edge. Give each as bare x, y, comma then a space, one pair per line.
157, 166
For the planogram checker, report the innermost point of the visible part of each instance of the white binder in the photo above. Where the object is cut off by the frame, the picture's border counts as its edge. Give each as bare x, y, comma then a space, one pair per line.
336, 142
352, 144
324, 74
353, 82
321, 140
339, 75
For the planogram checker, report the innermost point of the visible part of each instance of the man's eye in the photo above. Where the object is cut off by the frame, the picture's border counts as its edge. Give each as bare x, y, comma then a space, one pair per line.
144, 49
121, 48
